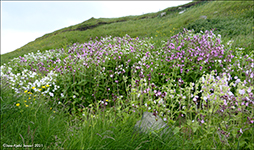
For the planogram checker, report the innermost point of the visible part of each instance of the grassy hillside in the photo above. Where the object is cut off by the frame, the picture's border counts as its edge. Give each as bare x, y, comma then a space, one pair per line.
233, 20
89, 94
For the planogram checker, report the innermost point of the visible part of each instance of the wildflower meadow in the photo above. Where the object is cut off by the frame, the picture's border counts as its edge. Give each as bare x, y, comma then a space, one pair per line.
90, 95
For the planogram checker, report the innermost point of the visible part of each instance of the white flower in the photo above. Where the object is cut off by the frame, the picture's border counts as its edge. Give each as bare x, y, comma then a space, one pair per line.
195, 99
230, 93
205, 98
249, 90
138, 94
203, 79
220, 87
74, 96
51, 94
251, 75
242, 91
241, 131
62, 95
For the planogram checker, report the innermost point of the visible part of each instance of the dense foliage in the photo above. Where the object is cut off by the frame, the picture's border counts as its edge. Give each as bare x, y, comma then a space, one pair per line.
190, 78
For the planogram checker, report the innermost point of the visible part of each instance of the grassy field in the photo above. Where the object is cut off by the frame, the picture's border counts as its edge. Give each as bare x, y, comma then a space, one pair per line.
233, 20
85, 86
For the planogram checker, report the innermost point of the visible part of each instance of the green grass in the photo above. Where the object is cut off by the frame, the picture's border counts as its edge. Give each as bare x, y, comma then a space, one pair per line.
41, 126
238, 28
75, 117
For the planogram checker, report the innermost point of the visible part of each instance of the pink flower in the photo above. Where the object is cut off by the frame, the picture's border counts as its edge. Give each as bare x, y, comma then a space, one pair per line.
237, 81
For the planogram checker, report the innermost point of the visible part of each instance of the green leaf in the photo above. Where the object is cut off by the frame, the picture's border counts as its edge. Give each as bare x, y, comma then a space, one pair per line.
82, 82
195, 126
242, 143
83, 74
176, 130
119, 108
195, 142
189, 122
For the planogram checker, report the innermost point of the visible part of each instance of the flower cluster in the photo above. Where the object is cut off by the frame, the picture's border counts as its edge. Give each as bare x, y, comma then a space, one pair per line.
30, 81
191, 77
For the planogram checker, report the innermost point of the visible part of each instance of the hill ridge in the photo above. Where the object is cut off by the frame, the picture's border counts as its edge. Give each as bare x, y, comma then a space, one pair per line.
233, 20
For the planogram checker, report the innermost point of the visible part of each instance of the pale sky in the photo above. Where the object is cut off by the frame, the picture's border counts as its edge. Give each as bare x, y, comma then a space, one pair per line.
23, 22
